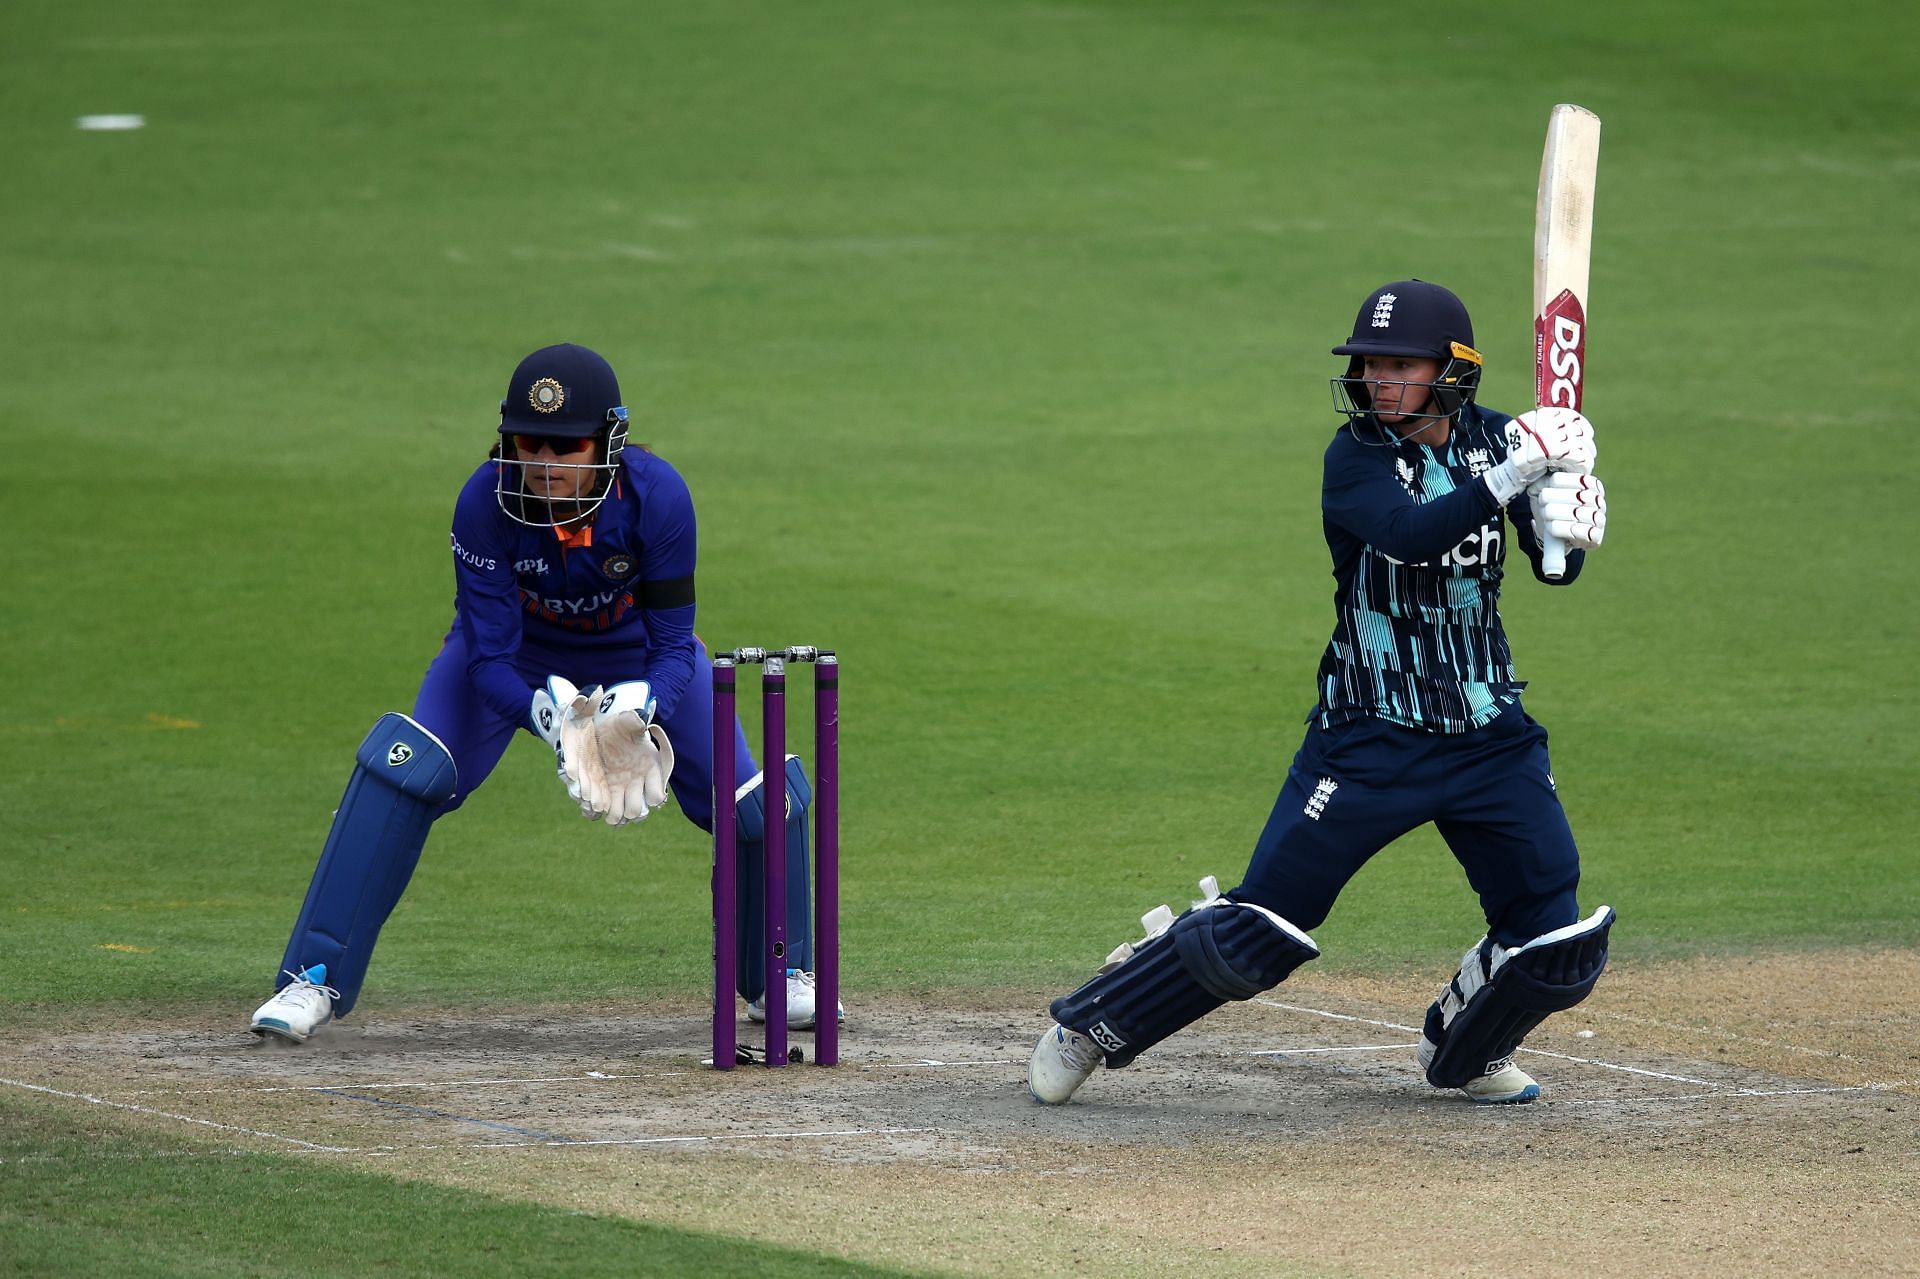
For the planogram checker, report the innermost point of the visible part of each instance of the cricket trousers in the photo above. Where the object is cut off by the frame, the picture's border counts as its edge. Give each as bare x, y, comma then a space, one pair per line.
1356, 787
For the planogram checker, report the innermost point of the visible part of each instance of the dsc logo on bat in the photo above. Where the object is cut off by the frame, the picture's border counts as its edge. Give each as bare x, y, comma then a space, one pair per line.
1560, 351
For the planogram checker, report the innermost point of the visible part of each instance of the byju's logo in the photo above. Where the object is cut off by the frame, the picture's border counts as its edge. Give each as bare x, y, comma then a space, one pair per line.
1317, 802
1383, 310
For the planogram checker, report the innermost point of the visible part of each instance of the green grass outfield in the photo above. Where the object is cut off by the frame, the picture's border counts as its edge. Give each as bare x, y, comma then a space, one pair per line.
991, 338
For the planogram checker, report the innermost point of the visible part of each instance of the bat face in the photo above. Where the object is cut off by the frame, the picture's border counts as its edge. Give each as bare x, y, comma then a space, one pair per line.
1560, 352
1562, 237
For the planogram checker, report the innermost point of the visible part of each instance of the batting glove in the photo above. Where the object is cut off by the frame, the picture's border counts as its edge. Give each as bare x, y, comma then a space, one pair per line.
1572, 508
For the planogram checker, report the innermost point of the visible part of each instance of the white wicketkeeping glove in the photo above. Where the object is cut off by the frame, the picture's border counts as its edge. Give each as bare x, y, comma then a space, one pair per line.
551, 711
1549, 439
1571, 507
633, 760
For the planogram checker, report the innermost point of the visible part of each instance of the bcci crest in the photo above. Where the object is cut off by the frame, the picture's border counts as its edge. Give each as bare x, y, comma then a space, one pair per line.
546, 396
618, 567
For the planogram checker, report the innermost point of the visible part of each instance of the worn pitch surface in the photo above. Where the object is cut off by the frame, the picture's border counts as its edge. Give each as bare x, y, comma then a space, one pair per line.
1717, 1119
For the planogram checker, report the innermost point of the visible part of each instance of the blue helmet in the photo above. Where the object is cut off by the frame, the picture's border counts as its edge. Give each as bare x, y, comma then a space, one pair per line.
1411, 318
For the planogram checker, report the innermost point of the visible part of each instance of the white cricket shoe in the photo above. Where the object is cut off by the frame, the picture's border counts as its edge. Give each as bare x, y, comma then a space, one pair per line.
1507, 1086
301, 1007
1061, 1062
801, 1002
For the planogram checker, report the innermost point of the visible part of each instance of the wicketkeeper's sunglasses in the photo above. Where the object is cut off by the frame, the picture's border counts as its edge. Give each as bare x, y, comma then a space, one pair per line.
560, 444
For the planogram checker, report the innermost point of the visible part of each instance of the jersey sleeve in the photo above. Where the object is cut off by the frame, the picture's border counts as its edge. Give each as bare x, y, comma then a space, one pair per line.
670, 540
488, 603
1360, 494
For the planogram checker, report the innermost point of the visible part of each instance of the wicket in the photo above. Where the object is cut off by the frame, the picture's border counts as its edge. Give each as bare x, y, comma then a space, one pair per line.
826, 853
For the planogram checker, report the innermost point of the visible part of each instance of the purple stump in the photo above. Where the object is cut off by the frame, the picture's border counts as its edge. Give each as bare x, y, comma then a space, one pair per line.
726, 867
773, 765
826, 902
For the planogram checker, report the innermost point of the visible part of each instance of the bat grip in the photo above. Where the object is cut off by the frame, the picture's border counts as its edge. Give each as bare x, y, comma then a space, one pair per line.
1553, 556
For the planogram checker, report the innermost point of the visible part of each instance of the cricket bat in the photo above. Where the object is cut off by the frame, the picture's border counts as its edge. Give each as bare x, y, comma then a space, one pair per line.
1562, 246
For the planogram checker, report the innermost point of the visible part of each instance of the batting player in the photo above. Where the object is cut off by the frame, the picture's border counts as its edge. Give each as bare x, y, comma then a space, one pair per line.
573, 562
1419, 720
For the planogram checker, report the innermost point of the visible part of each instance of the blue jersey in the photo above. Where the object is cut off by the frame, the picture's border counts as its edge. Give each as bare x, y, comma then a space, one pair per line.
1419, 549
624, 580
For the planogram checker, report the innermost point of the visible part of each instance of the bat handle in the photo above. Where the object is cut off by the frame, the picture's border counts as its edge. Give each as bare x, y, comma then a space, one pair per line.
1553, 555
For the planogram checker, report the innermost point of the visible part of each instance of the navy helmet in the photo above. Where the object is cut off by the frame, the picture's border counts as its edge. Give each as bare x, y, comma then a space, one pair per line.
563, 390
1411, 318
561, 393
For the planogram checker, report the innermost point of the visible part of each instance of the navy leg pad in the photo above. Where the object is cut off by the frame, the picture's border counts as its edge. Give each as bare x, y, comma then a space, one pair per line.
402, 774
750, 807
1482, 1018
1224, 950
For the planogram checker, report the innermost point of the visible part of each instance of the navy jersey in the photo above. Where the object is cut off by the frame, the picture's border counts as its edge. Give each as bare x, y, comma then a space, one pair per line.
1419, 548
625, 580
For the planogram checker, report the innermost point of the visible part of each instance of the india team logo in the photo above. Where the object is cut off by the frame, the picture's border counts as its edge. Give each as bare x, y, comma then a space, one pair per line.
546, 396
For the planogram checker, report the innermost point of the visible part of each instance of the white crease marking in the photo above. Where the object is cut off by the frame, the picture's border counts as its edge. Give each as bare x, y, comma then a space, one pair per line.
163, 1114
440, 1083
931, 1063
1354, 1048
1538, 1052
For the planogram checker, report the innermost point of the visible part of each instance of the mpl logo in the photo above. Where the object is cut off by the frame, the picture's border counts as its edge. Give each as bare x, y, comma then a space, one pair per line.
1560, 351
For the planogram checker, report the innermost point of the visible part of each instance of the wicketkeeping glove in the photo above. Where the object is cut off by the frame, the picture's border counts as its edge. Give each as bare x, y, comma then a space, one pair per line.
1571, 507
634, 756
552, 705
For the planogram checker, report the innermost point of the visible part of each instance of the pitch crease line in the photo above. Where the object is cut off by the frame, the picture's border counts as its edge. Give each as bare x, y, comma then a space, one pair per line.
163, 1114
627, 1141
1538, 1052
695, 1138
1737, 1092
438, 1083
1357, 1048
930, 1063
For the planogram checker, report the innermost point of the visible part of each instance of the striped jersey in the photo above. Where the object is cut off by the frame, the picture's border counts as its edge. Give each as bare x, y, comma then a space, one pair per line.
1419, 549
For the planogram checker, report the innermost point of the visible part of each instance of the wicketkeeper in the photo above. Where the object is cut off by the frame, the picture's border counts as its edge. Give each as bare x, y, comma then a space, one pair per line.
1418, 720
573, 562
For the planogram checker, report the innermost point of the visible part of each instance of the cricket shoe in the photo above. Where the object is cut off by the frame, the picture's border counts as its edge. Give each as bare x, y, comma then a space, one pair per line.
1507, 1086
300, 1008
1061, 1062
800, 1002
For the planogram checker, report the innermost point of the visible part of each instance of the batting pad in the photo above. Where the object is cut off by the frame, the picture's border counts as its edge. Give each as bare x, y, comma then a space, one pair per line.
749, 912
1219, 951
402, 774
1499, 996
